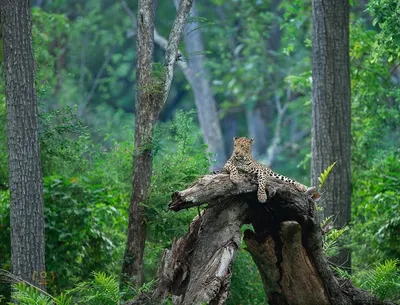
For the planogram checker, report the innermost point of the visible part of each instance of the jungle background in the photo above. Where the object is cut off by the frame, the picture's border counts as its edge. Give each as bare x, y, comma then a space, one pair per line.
257, 55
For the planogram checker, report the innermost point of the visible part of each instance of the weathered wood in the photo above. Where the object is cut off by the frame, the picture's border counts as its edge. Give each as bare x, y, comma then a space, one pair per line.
284, 264
286, 246
211, 188
198, 267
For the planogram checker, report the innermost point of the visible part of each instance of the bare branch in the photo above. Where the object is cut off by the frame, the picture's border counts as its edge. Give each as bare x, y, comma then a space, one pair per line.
158, 39
163, 43
173, 43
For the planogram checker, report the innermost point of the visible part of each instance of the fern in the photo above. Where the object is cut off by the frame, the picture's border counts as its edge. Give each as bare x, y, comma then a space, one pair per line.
331, 236
326, 224
63, 299
330, 243
102, 290
383, 280
324, 174
342, 273
146, 287
26, 294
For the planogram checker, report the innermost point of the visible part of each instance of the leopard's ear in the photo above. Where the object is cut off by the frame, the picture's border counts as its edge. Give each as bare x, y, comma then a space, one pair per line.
252, 140
235, 138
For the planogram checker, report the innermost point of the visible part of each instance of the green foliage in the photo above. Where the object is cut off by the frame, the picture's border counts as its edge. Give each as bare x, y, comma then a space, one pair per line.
102, 290
180, 158
330, 241
27, 295
374, 94
86, 211
109, 126
49, 33
3, 141
5, 260
85, 226
113, 166
100, 59
386, 16
64, 143
84, 56
383, 279
5, 229
85, 230
324, 175
158, 79
246, 283
375, 210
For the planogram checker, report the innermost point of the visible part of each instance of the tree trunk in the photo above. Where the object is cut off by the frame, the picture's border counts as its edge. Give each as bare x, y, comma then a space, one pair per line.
229, 126
286, 246
146, 115
331, 109
204, 98
153, 84
258, 129
26, 186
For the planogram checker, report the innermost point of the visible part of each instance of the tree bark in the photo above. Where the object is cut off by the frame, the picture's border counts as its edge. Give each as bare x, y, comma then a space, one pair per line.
204, 98
286, 245
151, 93
146, 115
331, 109
258, 129
25, 181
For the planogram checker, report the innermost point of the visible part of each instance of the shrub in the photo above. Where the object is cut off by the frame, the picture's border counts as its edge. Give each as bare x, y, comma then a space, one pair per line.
375, 211
85, 229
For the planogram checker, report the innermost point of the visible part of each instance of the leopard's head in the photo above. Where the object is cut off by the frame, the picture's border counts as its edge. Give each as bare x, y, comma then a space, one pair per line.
242, 148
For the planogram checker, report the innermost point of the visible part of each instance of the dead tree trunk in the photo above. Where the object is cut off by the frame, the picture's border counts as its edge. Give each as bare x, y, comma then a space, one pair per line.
286, 246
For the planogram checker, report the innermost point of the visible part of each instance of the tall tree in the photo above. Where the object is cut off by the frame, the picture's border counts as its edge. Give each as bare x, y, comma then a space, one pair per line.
153, 86
196, 74
26, 186
331, 109
203, 95
259, 114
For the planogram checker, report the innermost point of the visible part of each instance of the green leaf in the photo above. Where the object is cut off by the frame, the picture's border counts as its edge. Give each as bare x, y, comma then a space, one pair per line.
325, 174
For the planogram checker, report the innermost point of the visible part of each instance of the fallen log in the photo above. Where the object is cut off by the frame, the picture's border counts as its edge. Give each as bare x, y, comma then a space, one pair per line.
286, 246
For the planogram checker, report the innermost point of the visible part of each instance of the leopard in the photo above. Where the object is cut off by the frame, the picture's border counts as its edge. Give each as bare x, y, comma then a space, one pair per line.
242, 160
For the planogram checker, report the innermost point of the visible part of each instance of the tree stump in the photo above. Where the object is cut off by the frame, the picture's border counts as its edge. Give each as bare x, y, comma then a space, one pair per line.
286, 246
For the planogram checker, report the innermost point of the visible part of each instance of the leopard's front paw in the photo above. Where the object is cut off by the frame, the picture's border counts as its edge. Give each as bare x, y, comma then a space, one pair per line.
261, 196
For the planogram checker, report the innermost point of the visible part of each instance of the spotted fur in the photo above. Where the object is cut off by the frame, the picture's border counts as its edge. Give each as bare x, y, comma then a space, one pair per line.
241, 160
